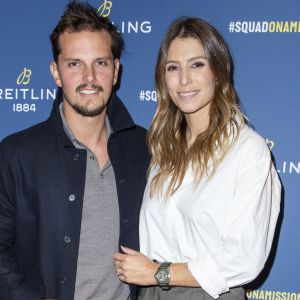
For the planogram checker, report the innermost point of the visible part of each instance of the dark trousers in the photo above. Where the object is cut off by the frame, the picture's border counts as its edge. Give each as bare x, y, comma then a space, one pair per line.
186, 293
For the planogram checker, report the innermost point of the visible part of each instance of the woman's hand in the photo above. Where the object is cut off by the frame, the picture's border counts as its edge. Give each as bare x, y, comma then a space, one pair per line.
134, 267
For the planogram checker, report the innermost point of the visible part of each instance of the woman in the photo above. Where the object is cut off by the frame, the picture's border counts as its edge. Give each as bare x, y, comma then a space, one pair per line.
213, 196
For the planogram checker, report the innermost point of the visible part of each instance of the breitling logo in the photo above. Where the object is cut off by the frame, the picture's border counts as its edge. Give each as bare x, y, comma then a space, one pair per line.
24, 91
24, 77
104, 8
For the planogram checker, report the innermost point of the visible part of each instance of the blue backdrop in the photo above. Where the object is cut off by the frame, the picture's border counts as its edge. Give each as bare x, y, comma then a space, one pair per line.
264, 39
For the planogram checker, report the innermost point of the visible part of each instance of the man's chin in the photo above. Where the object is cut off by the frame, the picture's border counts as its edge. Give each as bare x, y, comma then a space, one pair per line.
88, 112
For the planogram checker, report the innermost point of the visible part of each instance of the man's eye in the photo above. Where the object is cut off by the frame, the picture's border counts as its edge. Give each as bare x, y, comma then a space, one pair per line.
101, 63
73, 64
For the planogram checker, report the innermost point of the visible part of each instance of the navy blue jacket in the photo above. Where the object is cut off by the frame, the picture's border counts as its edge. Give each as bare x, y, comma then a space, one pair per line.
39, 170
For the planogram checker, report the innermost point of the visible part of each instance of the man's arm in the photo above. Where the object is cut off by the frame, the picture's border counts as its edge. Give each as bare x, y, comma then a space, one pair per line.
12, 283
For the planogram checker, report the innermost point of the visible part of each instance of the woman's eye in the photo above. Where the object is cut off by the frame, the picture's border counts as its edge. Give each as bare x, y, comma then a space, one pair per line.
198, 64
171, 68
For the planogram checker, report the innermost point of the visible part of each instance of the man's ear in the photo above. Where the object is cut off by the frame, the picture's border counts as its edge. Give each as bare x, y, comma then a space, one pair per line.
55, 73
116, 72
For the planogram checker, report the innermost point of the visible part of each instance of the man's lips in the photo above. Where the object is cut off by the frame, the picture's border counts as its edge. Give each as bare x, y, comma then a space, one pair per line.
89, 92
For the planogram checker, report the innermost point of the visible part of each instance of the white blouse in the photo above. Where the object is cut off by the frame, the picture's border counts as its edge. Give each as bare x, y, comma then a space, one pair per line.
222, 228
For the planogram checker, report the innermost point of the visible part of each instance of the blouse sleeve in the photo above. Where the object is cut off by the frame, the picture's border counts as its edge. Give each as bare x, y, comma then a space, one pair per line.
250, 230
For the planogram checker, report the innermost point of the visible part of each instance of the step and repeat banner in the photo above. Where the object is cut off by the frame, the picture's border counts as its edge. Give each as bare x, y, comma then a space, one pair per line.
264, 40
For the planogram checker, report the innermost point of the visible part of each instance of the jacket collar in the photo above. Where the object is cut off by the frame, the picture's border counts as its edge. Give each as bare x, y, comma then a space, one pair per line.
117, 113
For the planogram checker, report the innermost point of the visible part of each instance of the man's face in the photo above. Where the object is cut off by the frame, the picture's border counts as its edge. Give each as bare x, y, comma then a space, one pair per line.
86, 71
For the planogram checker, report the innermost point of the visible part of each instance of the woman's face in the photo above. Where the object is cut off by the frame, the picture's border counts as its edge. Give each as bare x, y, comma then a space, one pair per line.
189, 78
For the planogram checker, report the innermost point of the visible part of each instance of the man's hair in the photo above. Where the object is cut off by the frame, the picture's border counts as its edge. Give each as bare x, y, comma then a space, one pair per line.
82, 16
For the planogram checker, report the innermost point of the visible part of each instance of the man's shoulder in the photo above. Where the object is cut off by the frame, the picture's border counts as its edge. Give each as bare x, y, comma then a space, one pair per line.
134, 141
140, 130
27, 137
137, 133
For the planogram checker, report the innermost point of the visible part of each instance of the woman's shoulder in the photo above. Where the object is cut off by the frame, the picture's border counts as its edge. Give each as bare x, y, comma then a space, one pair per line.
249, 134
251, 143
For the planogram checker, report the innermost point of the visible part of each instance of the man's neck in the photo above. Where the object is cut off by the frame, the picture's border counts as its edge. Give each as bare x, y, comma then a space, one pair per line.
90, 131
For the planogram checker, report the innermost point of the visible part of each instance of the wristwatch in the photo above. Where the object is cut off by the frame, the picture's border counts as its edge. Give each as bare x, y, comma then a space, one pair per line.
162, 275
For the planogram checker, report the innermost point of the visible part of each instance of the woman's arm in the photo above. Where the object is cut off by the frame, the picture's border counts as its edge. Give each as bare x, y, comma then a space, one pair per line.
134, 267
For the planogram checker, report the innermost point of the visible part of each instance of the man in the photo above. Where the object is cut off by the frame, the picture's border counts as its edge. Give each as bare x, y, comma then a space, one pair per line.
71, 187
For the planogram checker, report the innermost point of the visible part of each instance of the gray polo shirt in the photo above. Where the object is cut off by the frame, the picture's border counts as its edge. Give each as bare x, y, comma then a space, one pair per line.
99, 238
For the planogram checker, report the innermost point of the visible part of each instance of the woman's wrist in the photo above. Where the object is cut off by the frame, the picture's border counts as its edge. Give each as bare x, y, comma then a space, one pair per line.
154, 267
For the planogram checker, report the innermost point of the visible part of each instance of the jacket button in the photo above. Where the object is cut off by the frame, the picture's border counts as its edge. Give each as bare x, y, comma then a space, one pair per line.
63, 280
72, 197
125, 221
76, 156
121, 181
67, 239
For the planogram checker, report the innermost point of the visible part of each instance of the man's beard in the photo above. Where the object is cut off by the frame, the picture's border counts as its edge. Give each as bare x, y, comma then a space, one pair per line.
84, 111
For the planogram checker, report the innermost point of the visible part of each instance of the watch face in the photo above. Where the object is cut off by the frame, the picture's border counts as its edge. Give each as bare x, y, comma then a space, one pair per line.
162, 276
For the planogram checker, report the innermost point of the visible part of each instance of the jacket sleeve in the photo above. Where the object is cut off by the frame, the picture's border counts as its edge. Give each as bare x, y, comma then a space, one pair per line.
12, 283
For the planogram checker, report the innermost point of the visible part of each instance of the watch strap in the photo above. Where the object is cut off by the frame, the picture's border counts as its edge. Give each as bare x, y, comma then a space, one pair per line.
163, 266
